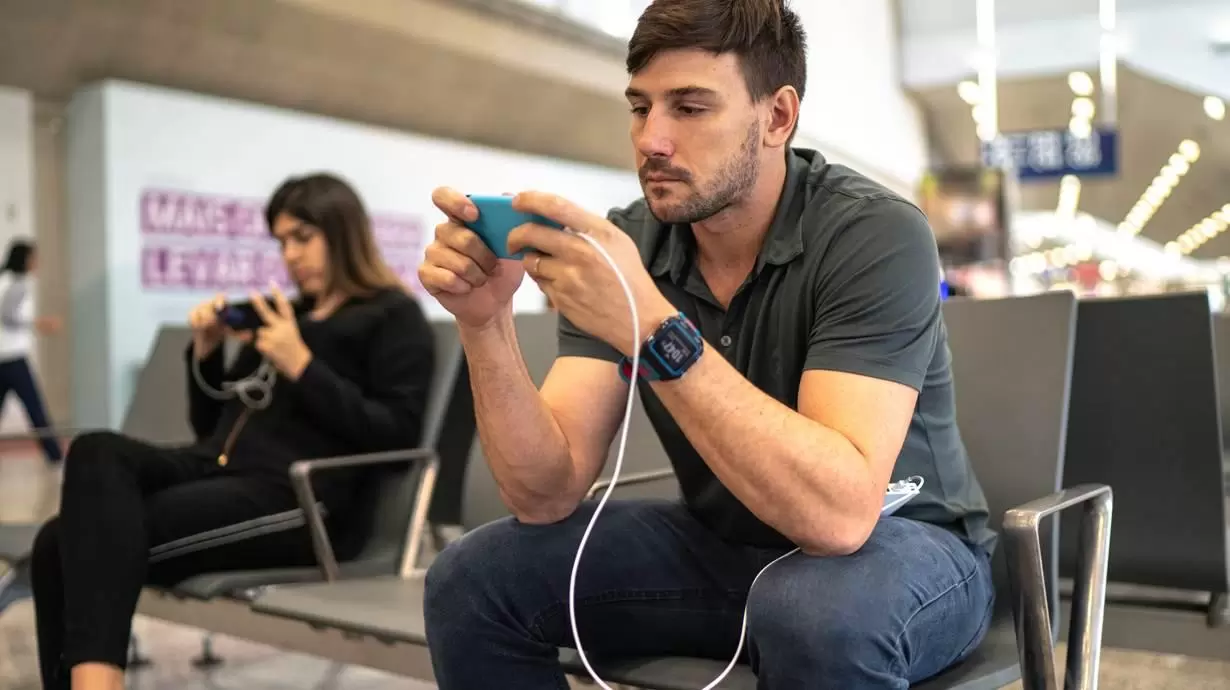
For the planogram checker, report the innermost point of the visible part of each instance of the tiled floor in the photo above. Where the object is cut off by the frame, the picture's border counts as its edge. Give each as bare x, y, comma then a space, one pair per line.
28, 490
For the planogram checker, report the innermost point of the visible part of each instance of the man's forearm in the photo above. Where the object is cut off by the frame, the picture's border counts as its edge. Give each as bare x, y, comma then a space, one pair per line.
524, 445
798, 476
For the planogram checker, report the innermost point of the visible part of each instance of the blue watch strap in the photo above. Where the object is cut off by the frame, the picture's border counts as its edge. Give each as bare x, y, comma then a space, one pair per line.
668, 352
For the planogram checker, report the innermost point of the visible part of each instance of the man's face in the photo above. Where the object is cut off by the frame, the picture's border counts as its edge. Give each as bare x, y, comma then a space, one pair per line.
697, 134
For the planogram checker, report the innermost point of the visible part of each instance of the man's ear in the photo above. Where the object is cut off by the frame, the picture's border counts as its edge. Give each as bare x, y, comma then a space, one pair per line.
783, 112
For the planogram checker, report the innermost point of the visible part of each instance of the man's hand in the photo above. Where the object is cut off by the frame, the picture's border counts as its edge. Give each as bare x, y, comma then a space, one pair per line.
576, 277
460, 271
279, 340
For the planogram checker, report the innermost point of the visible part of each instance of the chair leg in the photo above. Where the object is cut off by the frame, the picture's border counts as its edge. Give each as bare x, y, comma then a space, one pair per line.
135, 658
207, 659
1219, 610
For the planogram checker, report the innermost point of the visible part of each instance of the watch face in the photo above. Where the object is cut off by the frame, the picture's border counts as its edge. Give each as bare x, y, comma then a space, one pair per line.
673, 348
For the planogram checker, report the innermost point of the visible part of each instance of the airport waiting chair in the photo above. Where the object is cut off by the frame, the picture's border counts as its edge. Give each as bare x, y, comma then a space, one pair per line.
1145, 419
1221, 356
1014, 366
397, 484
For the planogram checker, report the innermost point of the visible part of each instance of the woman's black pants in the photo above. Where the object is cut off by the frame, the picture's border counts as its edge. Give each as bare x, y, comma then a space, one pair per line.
121, 498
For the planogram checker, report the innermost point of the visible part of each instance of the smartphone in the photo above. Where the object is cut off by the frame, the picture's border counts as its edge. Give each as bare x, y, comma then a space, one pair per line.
497, 218
240, 316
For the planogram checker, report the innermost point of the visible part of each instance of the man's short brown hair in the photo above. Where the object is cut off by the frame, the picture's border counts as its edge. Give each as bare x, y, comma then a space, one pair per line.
766, 35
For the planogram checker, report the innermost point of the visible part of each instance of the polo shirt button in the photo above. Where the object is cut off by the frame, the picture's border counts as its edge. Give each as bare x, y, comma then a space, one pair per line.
725, 341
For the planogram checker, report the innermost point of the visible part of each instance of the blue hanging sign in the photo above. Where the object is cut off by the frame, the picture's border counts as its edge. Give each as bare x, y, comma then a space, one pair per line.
1047, 154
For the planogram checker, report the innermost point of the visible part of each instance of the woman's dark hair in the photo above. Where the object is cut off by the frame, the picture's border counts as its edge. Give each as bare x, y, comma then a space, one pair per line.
329, 204
18, 259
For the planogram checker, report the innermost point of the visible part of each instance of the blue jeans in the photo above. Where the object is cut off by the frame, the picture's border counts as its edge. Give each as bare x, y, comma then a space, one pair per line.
16, 376
655, 582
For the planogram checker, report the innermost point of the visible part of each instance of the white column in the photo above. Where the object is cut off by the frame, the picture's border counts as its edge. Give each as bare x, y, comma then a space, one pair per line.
1108, 58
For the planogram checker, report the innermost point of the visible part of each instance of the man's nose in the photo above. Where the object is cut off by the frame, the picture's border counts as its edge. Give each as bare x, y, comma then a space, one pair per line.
656, 138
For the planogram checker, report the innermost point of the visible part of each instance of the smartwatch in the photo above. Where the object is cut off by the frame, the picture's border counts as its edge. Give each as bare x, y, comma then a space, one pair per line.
668, 352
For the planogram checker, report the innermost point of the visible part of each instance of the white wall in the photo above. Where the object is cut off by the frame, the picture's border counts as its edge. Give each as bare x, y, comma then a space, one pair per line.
126, 139
855, 109
16, 202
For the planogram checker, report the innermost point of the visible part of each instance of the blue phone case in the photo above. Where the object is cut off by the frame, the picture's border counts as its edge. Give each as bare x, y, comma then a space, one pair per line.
496, 219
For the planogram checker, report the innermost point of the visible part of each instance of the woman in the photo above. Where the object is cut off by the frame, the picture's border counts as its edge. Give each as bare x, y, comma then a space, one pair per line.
18, 325
350, 365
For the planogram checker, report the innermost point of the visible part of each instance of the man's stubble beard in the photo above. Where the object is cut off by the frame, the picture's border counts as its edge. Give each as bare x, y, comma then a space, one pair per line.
733, 181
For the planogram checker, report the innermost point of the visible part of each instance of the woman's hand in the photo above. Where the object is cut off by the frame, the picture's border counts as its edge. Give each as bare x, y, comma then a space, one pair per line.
207, 331
279, 340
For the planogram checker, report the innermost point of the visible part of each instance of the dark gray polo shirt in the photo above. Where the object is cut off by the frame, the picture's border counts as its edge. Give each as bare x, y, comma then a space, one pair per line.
848, 280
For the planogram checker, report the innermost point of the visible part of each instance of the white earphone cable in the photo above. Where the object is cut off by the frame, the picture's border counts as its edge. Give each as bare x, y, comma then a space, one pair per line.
619, 462
255, 391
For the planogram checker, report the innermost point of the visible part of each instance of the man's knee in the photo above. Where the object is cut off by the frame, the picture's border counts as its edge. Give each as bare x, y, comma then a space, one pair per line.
799, 615
470, 573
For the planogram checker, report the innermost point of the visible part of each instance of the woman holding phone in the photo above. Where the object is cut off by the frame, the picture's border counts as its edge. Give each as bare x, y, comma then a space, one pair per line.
347, 367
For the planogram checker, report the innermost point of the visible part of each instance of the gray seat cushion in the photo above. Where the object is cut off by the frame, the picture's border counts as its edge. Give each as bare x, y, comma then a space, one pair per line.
385, 607
239, 583
993, 665
16, 540
392, 610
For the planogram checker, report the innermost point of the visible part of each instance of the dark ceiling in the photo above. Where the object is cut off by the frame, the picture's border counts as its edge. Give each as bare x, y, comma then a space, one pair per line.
1153, 119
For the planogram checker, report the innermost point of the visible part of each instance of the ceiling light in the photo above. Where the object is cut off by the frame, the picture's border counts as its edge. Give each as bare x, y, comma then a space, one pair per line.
1080, 83
1215, 108
1083, 107
969, 92
1197, 235
1172, 248
1160, 189
1080, 127
1190, 150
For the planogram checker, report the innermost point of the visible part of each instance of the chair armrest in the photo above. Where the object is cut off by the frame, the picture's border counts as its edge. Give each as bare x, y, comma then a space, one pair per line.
1027, 585
632, 479
301, 475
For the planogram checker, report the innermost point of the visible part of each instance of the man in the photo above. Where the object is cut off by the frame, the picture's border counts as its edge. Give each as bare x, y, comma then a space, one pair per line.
821, 373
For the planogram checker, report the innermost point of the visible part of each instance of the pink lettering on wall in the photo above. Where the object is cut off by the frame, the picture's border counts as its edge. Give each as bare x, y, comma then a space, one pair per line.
203, 242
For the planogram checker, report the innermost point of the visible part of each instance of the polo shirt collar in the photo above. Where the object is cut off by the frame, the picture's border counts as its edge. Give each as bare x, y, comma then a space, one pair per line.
782, 245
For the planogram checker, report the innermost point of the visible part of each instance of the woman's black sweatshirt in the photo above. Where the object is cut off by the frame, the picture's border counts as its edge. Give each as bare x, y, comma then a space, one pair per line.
365, 390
